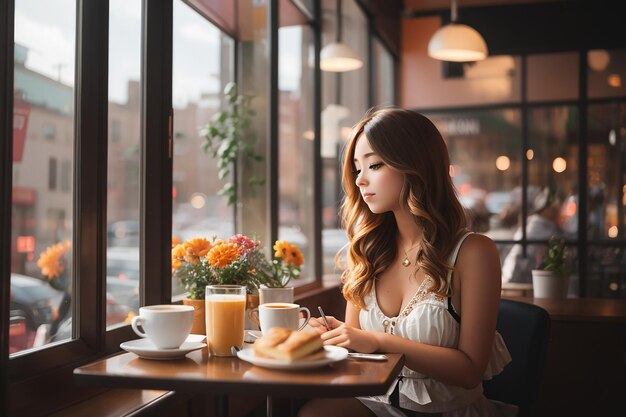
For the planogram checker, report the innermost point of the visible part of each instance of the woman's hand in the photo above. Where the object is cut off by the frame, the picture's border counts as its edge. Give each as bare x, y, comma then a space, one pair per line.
320, 327
350, 337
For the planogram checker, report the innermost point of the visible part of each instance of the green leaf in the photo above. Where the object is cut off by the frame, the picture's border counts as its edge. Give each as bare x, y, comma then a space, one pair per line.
223, 173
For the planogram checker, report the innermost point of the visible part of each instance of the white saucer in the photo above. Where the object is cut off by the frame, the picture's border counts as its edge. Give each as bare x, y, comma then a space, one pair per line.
145, 349
195, 338
333, 354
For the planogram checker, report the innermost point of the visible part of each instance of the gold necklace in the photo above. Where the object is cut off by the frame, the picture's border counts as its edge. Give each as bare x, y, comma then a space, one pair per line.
406, 262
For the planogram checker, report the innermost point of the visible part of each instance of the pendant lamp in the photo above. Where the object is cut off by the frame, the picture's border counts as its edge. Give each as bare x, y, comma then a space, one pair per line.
337, 56
457, 42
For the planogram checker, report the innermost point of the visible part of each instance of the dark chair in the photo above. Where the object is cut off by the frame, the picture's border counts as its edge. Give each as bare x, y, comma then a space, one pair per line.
525, 329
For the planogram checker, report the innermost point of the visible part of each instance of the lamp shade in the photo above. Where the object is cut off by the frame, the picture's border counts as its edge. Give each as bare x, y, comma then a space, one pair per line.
339, 57
458, 43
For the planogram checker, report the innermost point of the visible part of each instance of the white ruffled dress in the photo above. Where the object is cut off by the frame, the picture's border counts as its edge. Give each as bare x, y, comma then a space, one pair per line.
426, 319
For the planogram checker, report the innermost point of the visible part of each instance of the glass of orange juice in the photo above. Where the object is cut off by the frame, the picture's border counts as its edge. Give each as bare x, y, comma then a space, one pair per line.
225, 313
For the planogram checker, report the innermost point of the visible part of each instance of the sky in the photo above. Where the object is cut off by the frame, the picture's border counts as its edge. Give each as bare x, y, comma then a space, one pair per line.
48, 30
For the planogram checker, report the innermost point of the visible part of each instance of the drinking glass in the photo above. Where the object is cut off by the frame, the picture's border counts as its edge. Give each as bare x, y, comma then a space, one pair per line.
225, 314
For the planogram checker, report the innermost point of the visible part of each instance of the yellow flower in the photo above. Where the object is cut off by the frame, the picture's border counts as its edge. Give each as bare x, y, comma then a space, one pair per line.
223, 254
50, 260
178, 255
195, 249
290, 253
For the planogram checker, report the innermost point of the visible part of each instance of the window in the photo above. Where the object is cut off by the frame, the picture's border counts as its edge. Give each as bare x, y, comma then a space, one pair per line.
384, 75
41, 236
66, 176
295, 171
605, 77
485, 147
123, 159
202, 66
344, 102
48, 131
52, 174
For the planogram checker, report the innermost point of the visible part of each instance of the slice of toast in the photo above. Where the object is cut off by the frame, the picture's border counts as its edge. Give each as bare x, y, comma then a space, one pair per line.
296, 346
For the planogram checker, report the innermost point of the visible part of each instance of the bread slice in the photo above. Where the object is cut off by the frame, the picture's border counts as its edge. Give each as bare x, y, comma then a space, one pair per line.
296, 346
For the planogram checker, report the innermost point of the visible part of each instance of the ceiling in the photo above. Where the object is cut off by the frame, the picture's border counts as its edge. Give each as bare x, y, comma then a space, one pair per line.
424, 6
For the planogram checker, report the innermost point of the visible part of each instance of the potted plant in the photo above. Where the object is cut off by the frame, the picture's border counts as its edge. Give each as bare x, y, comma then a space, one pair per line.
550, 279
53, 264
237, 260
284, 266
229, 139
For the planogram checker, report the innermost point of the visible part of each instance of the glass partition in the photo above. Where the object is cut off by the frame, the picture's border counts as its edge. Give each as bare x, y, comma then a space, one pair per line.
606, 72
606, 180
202, 66
295, 157
485, 152
384, 75
552, 76
43, 160
123, 160
344, 103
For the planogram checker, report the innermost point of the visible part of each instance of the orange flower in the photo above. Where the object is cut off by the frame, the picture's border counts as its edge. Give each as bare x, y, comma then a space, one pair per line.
223, 254
178, 255
288, 252
50, 260
196, 248
175, 241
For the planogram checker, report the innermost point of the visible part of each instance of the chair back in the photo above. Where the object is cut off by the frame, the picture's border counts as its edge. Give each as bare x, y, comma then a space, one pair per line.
525, 329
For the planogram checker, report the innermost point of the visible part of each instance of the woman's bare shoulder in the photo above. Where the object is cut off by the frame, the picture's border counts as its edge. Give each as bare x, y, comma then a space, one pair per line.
478, 249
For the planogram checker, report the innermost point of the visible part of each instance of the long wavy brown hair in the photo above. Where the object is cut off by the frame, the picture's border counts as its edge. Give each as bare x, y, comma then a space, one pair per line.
411, 144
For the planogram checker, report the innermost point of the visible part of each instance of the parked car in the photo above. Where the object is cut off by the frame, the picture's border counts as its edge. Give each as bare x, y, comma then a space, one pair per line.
38, 301
116, 313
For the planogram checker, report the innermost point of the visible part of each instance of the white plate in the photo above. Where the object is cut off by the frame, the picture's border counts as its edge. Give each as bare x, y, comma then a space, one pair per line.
333, 354
145, 349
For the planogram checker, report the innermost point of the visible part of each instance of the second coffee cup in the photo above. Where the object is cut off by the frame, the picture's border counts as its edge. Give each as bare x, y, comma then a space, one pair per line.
279, 315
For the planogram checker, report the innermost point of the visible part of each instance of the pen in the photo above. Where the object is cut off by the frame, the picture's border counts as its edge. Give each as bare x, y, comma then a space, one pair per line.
324, 317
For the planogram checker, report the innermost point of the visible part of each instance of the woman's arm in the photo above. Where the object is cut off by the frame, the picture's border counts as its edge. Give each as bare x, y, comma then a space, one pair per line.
477, 275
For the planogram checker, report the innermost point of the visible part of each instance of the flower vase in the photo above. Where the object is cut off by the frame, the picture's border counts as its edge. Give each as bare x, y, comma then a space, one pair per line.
199, 323
252, 302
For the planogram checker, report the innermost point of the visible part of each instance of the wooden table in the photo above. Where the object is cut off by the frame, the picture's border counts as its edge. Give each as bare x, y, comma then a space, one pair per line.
198, 372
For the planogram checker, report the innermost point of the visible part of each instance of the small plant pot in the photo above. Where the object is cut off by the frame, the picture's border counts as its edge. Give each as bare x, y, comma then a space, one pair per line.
199, 324
546, 284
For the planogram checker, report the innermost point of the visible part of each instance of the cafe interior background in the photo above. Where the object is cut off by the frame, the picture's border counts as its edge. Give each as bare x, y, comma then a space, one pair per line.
106, 102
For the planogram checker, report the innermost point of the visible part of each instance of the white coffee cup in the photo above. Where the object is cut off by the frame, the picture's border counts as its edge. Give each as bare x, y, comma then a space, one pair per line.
166, 326
279, 315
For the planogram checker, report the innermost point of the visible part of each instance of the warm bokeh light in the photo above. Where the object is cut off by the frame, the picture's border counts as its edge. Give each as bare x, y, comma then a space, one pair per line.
530, 154
198, 200
559, 164
570, 209
615, 80
345, 132
598, 59
503, 162
308, 135
452, 171
613, 232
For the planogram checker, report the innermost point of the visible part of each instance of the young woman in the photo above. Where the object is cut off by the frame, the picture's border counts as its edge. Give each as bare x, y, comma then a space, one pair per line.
416, 282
